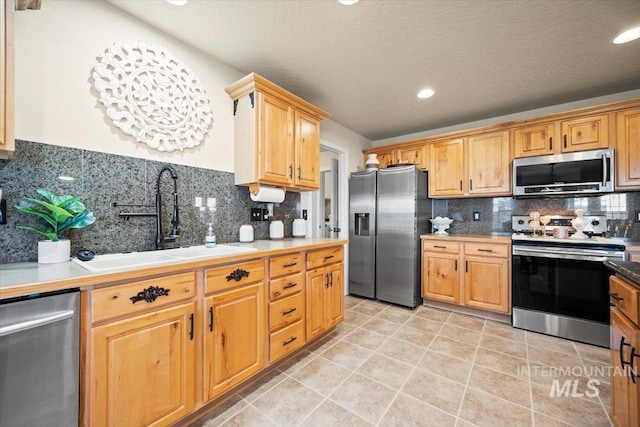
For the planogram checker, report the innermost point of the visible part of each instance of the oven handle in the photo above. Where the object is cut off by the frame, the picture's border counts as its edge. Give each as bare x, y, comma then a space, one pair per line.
36, 323
567, 254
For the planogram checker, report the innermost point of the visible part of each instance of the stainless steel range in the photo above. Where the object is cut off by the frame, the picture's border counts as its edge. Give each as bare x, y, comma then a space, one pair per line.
560, 286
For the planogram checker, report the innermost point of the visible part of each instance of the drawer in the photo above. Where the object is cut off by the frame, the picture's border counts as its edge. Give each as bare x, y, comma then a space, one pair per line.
139, 296
486, 249
286, 264
439, 246
286, 340
279, 288
286, 311
230, 276
322, 257
625, 297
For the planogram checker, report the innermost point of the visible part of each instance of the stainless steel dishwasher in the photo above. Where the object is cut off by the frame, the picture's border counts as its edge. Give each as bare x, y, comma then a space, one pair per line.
39, 360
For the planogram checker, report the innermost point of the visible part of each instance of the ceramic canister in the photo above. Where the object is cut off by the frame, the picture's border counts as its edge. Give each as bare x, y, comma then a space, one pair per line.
299, 227
246, 233
276, 230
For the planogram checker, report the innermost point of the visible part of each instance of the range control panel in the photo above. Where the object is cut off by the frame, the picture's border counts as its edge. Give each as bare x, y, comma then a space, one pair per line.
596, 224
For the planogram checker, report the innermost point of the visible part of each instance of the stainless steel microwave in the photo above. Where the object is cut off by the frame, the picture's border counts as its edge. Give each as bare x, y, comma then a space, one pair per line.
579, 173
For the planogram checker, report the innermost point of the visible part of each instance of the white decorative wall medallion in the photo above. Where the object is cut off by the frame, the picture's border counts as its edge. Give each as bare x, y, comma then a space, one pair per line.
152, 96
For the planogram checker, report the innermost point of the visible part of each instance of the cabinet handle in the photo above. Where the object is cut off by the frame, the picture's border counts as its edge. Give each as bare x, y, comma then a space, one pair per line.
565, 141
150, 294
290, 285
460, 185
210, 319
299, 172
439, 247
630, 362
470, 184
291, 310
191, 327
550, 143
615, 296
485, 250
466, 266
289, 341
291, 264
331, 279
455, 267
290, 171
326, 280
237, 275
329, 256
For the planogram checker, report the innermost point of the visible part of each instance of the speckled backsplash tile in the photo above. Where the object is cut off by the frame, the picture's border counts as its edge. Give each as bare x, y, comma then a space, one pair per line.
496, 212
100, 179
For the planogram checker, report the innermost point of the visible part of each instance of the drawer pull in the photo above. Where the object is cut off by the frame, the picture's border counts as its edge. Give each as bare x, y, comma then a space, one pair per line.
289, 341
291, 310
630, 362
191, 327
290, 285
150, 294
210, 319
439, 247
615, 296
485, 250
329, 257
237, 275
291, 264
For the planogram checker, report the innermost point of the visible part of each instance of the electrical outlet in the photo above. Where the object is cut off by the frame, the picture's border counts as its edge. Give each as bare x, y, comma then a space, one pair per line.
304, 214
265, 214
256, 214
637, 216
476, 216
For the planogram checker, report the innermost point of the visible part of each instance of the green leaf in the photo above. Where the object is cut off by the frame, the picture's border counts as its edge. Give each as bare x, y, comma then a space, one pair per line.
73, 205
48, 195
79, 221
59, 214
46, 216
50, 235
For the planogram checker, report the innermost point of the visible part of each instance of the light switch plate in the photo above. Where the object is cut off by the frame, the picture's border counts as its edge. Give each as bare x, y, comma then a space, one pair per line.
637, 216
476, 216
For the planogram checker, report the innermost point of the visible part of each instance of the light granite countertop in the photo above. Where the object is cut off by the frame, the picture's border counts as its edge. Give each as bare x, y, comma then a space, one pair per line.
481, 238
19, 279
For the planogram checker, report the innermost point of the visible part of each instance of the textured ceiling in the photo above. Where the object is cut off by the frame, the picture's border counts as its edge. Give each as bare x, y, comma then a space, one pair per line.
365, 63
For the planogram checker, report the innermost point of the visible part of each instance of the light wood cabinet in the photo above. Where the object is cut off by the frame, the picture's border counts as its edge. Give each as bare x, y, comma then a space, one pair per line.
277, 136
325, 291
470, 273
410, 154
625, 345
7, 42
535, 140
628, 149
477, 165
234, 330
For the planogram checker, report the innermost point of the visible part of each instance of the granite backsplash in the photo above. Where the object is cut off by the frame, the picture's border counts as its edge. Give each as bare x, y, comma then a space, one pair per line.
100, 179
496, 212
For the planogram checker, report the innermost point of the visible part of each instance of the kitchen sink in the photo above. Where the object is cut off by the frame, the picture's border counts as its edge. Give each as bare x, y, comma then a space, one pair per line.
102, 263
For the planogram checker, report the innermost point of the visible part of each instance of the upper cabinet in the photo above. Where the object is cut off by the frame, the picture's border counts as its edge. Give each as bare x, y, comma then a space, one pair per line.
477, 165
277, 135
628, 149
7, 143
409, 154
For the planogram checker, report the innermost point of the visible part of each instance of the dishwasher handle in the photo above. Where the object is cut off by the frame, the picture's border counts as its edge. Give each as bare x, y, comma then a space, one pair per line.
36, 323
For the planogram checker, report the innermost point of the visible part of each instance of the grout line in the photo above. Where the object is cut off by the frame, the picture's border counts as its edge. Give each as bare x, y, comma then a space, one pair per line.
466, 386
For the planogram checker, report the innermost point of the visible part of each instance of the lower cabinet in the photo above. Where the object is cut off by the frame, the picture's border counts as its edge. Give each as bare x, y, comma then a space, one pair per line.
486, 283
325, 291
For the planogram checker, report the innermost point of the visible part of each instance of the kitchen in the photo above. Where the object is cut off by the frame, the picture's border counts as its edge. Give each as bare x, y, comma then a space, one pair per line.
55, 69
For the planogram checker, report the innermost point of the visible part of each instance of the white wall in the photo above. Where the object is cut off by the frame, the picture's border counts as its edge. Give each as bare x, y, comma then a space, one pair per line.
335, 133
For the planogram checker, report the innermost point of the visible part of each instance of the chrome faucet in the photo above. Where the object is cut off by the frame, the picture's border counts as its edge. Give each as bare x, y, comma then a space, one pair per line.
175, 220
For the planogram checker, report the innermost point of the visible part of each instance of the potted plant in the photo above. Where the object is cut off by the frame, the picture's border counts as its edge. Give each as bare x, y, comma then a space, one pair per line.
56, 214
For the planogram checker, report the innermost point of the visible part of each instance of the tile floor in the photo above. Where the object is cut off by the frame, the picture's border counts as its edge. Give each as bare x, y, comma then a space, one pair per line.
390, 366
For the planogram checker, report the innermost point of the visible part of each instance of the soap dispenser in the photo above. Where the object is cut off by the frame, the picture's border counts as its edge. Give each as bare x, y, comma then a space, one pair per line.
210, 237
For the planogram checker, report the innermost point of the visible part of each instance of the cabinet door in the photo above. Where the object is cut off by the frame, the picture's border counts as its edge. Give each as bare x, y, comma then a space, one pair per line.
143, 369
441, 277
624, 407
307, 151
317, 283
385, 158
486, 283
533, 141
586, 133
415, 155
628, 148
7, 144
275, 141
489, 158
446, 167
234, 337
335, 296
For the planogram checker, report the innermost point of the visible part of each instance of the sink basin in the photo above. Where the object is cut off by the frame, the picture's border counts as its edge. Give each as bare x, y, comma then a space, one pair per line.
142, 259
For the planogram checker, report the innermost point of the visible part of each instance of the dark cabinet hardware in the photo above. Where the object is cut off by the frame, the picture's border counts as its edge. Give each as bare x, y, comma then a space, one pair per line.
191, 327
615, 296
466, 266
289, 341
470, 184
291, 310
150, 294
290, 285
237, 275
329, 257
485, 250
210, 319
460, 185
291, 264
550, 143
439, 247
630, 362
565, 141
331, 279
455, 267
299, 172
290, 171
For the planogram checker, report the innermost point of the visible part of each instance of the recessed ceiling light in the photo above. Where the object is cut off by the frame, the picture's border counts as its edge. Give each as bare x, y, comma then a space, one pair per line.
426, 93
628, 36
177, 2
348, 2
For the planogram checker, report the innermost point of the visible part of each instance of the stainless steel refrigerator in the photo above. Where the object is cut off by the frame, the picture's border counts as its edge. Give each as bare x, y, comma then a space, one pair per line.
388, 211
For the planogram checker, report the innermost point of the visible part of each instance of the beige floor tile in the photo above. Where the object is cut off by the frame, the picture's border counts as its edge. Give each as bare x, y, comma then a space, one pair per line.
593, 353
502, 363
454, 348
330, 414
393, 314
264, 385
366, 338
224, 411
365, 397
249, 417
381, 326
571, 410
446, 366
424, 323
460, 334
433, 314
462, 423
435, 390
355, 318
342, 329
468, 322
505, 386
556, 381
288, 403
368, 309
407, 411
387, 371
504, 330
543, 356
351, 301
604, 393
349, 355
296, 362
323, 344
602, 372
540, 420
414, 336
484, 409
401, 351
503, 345
322, 375
551, 343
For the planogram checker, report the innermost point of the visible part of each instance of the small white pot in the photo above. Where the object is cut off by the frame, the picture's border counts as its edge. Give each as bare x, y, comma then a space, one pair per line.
50, 252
